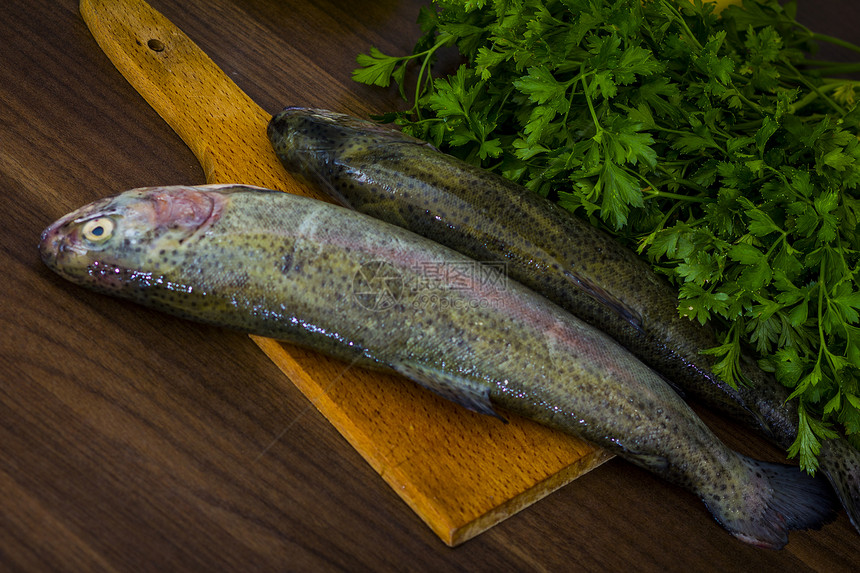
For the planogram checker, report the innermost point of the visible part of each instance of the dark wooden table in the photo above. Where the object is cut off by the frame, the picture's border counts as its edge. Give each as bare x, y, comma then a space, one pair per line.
133, 441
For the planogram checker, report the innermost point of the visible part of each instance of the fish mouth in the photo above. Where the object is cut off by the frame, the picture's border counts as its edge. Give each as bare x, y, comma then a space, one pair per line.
60, 239
49, 244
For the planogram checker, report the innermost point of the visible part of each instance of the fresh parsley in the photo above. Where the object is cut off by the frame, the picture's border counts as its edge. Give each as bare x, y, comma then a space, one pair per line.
713, 144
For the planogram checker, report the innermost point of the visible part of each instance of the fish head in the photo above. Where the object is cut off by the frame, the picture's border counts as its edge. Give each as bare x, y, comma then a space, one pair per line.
303, 135
316, 145
110, 243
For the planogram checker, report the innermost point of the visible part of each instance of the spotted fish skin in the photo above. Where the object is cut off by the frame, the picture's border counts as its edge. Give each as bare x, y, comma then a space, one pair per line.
407, 182
404, 181
296, 269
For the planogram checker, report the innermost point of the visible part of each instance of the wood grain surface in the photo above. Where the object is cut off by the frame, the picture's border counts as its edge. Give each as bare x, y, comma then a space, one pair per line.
133, 441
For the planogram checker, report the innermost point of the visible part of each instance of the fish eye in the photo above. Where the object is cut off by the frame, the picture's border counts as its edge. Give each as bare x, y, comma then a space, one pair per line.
98, 230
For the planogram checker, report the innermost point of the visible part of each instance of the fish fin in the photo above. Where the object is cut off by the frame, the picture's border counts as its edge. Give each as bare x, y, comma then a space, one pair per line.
781, 498
468, 392
840, 462
603, 297
651, 462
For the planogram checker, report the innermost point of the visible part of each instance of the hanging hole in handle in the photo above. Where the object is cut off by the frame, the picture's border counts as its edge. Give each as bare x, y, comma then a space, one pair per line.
155, 45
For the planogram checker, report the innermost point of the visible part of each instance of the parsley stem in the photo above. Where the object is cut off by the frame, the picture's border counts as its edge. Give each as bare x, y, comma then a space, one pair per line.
572, 82
828, 84
428, 55
807, 99
782, 240
800, 77
829, 39
835, 83
832, 67
754, 106
710, 141
676, 15
653, 191
667, 216
835, 41
655, 194
821, 300
590, 104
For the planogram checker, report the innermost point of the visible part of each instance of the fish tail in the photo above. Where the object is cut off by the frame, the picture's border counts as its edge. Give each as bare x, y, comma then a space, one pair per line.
777, 499
840, 462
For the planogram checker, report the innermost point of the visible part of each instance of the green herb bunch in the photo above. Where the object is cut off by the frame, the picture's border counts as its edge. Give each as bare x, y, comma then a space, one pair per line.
712, 144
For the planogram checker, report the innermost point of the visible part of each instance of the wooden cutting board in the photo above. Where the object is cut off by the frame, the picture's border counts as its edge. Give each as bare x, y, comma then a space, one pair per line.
459, 471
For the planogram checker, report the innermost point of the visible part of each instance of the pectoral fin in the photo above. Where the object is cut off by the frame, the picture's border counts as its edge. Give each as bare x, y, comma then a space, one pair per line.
465, 391
606, 299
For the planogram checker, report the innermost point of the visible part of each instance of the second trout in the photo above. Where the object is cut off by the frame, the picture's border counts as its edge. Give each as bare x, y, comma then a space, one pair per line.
402, 180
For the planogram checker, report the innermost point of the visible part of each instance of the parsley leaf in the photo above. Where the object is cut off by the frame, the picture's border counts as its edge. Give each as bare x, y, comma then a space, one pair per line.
715, 144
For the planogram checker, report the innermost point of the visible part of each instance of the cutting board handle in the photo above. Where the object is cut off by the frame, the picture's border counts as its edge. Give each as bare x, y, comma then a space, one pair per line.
221, 125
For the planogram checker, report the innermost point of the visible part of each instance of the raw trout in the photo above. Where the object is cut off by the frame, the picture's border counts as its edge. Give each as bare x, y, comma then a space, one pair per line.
407, 182
307, 272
